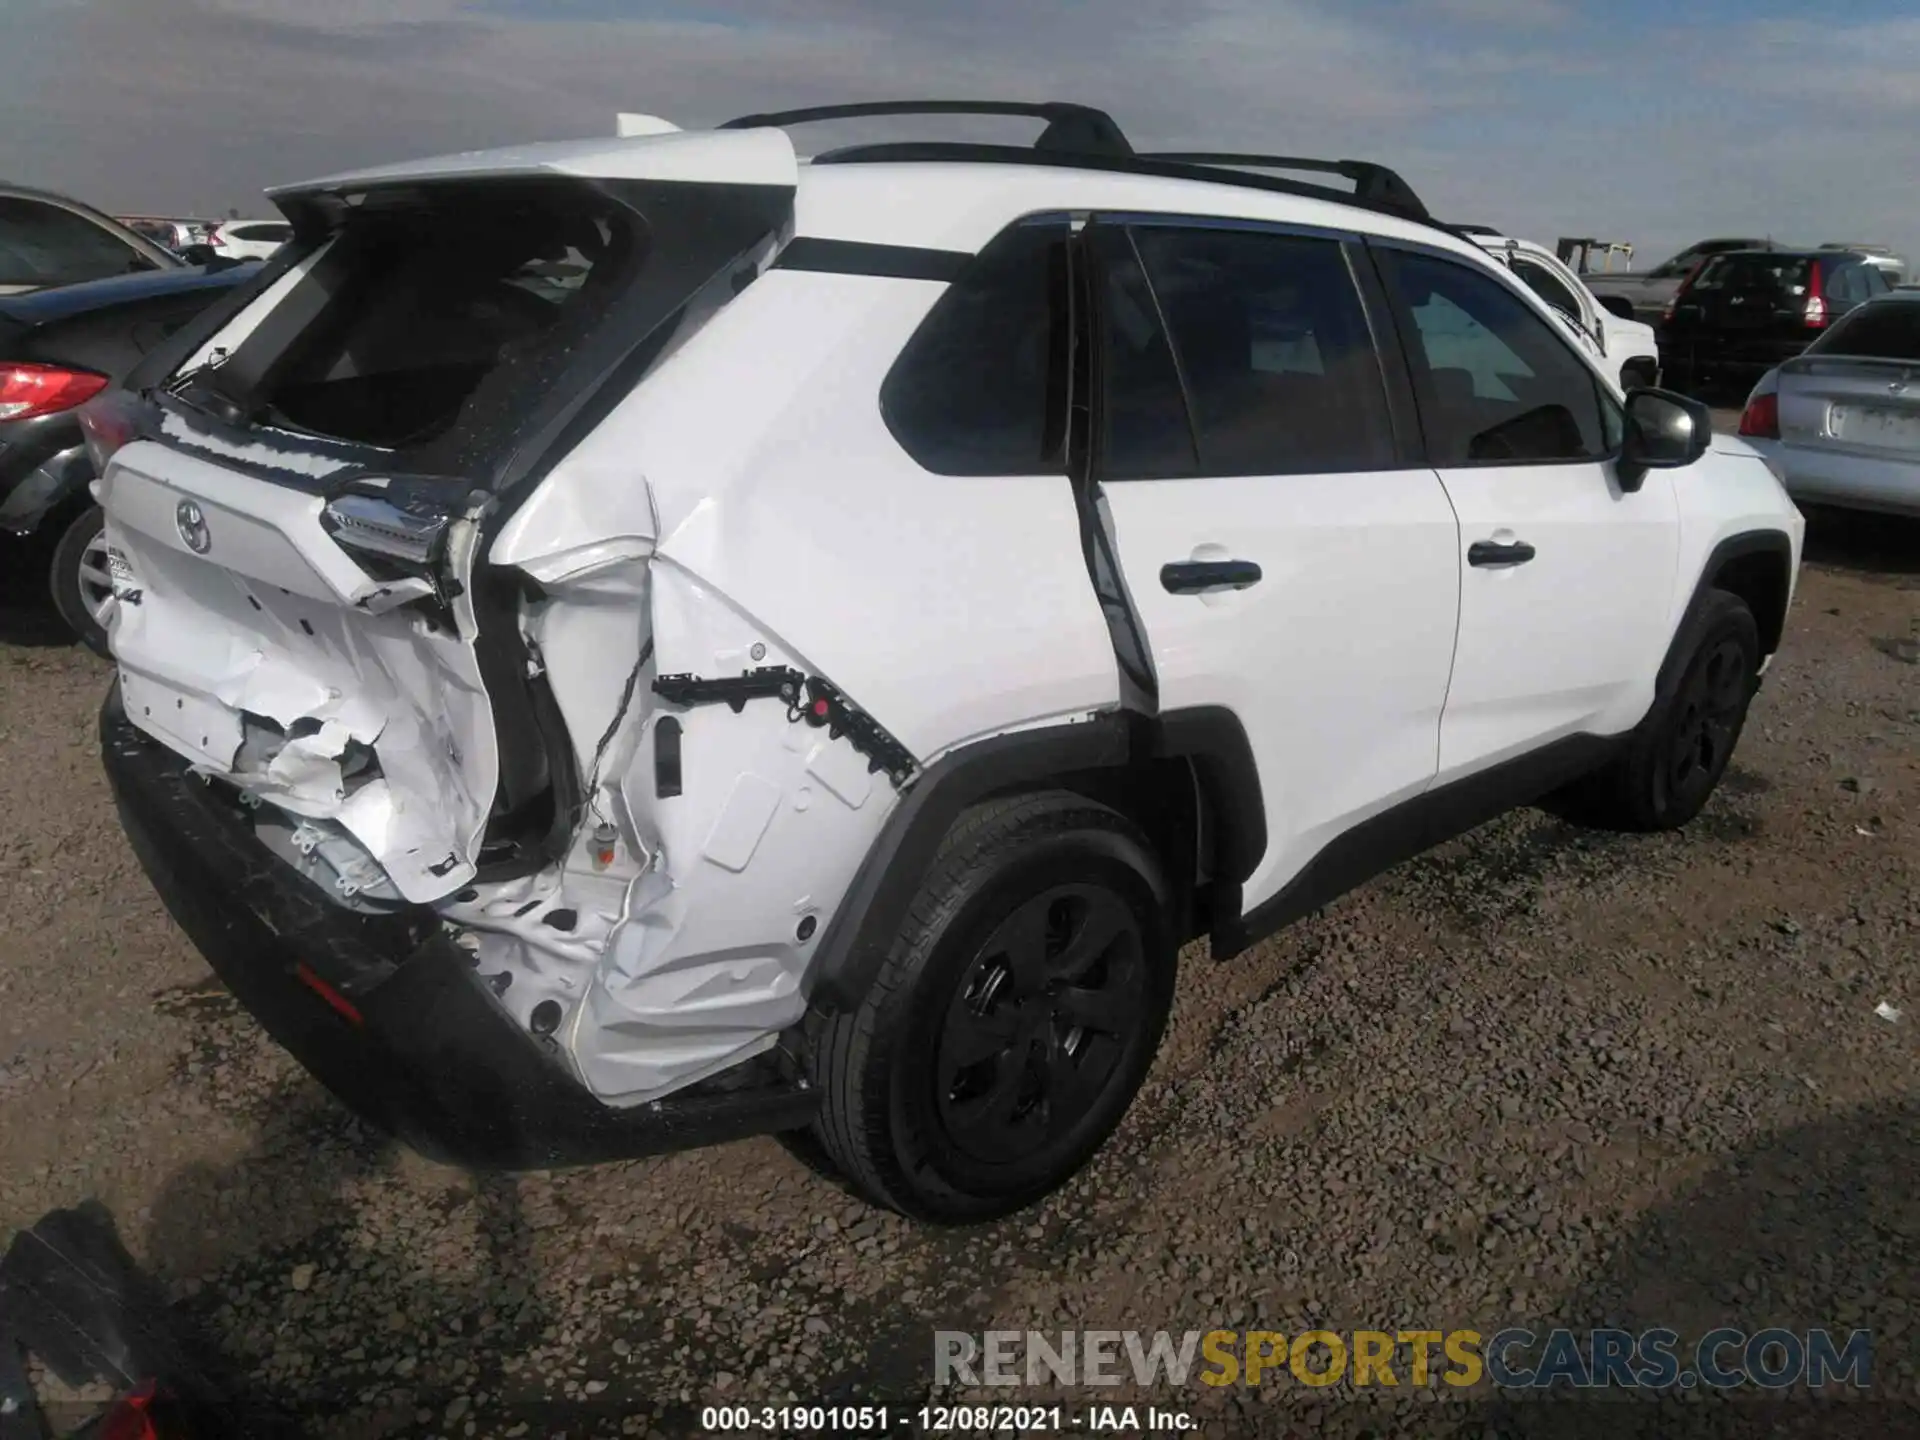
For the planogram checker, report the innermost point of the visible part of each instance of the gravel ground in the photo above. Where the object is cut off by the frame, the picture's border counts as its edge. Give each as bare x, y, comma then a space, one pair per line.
1539, 1076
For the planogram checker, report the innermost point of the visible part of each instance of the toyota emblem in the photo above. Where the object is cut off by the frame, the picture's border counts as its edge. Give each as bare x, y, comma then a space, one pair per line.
192, 524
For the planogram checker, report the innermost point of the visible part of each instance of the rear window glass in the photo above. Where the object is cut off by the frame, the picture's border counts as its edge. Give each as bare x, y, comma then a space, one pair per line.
1885, 331
1753, 273
427, 305
43, 244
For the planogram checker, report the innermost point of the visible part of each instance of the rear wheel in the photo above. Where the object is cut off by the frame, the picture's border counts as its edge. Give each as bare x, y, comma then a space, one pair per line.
81, 580
1013, 1020
1676, 756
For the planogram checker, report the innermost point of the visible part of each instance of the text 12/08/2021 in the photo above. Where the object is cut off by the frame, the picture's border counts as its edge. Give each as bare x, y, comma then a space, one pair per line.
845, 1420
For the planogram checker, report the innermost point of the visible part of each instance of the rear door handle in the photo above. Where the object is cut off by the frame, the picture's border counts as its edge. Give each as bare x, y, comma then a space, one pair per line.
1185, 577
1493, 553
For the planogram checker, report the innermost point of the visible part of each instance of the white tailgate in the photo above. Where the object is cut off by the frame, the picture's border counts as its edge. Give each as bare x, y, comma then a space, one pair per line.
259, 655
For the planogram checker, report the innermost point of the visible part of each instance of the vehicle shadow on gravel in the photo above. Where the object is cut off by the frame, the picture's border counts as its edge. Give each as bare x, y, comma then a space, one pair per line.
1814, 1229
272, 1253
1886, 545
27, 615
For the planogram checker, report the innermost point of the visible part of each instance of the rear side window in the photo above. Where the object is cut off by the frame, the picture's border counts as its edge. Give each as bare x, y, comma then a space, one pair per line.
1886, 331
45, 245
1273, 351
1544, 283
1497, 384
1145, 431
980, 389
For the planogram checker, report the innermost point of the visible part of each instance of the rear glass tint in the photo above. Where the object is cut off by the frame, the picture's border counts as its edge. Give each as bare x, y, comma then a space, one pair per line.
1886, 331
1754, 274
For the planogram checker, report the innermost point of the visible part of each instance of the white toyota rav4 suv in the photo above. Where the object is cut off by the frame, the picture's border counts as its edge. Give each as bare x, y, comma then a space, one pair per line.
625, 644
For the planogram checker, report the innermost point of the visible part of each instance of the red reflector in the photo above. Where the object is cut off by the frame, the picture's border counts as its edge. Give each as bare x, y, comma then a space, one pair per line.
820, 706
128, 1419
1761, 419
327, 993
30, 390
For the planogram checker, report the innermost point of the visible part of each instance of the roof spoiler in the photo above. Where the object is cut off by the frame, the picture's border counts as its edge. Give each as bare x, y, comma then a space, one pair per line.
1074, 129
628, 125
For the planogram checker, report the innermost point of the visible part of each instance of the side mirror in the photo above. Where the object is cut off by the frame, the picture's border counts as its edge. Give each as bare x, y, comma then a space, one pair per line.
199, 254
1616, 305
1664, 431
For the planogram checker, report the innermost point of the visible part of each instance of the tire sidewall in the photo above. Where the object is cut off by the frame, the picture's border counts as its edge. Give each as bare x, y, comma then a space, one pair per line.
1725, 618
63, 578
927, 1159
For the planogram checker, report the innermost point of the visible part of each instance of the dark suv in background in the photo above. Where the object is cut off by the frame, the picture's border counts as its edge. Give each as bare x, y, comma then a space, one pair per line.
1742, 313
58, 349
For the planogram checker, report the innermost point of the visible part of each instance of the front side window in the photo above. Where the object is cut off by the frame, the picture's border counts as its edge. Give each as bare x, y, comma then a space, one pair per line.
1496, 383
1273, 351
46, 245
980, 389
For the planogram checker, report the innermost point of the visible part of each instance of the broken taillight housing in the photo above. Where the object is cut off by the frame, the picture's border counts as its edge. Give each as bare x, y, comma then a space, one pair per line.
409, 529
131, 1417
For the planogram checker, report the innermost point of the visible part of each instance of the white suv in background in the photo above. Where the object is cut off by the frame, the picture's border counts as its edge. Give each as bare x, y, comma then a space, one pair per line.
248, 239
1630, 348
628, 643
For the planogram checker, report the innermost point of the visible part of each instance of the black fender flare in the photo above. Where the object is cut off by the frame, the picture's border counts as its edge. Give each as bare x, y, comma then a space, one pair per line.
1734, 547
1211, 738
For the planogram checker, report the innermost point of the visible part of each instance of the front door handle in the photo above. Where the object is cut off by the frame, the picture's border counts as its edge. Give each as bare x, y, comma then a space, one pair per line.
1493, 552
1185, 577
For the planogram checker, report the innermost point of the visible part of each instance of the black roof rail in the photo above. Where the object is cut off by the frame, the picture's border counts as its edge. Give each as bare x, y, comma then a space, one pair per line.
910, 152
1480, 230
1074, 129
1371, 182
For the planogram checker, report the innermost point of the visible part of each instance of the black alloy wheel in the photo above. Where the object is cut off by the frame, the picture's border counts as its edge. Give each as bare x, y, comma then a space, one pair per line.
1036, 1029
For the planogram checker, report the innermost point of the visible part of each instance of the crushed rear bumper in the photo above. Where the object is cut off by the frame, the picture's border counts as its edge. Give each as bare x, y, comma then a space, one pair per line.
385, 1010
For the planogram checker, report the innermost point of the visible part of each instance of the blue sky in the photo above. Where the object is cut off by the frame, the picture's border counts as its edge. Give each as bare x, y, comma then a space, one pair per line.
1657, 123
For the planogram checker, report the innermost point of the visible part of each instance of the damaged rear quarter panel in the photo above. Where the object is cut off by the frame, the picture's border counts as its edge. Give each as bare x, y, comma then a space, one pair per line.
787, 528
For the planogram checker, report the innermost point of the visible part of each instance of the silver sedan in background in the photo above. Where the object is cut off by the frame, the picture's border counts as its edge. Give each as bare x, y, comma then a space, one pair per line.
1840, 422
